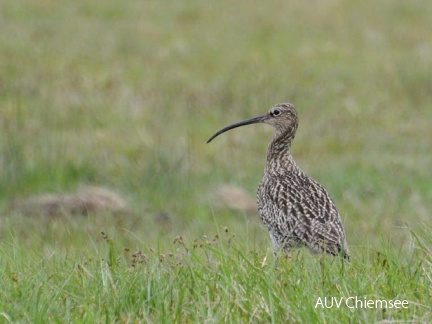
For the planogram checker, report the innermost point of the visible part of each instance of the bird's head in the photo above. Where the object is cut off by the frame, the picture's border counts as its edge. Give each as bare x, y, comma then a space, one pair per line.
283, 117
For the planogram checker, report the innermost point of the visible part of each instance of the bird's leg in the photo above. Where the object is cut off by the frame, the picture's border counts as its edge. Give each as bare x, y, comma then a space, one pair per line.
322, 266
286, 249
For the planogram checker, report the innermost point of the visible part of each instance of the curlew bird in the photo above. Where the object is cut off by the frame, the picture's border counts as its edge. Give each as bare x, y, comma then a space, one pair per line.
297, 210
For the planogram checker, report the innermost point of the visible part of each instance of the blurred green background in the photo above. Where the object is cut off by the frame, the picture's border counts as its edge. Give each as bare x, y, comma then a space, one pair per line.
124, 95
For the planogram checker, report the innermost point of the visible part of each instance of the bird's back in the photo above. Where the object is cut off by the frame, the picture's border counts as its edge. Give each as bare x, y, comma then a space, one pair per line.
298, 211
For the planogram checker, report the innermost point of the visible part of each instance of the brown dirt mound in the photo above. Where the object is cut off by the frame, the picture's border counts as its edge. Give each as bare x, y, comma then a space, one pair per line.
234, 197
86, 200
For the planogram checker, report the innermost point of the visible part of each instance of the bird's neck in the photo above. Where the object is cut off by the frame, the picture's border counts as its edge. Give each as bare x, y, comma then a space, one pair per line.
279, 158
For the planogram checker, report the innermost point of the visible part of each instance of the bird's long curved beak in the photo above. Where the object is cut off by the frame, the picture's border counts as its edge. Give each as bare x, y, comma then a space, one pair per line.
254, 120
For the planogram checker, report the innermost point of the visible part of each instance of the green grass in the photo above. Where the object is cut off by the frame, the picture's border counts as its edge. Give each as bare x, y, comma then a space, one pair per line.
125, 94
207, 279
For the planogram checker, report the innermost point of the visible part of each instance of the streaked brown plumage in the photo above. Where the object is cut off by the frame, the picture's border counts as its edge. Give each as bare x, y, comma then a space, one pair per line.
296, 209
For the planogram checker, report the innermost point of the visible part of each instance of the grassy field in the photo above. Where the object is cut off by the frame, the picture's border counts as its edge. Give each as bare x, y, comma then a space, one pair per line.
124, 94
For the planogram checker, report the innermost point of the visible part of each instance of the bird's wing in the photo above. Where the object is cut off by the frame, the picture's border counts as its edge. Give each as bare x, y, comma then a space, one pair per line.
305, 213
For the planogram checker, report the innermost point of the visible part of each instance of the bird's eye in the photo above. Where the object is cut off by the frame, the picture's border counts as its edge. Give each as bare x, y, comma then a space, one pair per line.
276, 112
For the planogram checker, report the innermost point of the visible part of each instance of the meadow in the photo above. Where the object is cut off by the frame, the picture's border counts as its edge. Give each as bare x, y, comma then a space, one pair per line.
124, 95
